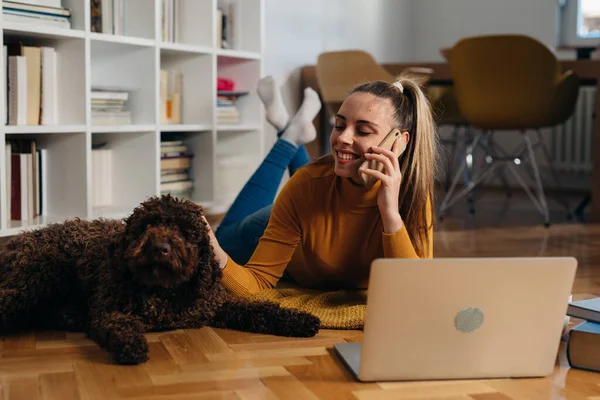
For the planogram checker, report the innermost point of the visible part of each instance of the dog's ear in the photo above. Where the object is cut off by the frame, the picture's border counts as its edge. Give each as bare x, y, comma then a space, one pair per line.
189, 217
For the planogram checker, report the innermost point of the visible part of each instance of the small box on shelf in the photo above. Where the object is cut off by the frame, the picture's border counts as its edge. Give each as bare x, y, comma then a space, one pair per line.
119, 68
133, 18
118, 183
39, 92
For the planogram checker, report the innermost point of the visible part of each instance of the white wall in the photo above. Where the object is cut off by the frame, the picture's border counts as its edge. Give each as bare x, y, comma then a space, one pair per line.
296, 31
438, 24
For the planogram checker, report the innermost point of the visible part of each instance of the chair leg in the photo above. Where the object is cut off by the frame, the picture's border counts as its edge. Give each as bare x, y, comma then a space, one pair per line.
469, 172
499, 172
536, 172
448, 200
581, 206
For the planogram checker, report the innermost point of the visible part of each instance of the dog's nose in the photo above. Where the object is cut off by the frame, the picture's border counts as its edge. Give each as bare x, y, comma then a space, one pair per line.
162, 249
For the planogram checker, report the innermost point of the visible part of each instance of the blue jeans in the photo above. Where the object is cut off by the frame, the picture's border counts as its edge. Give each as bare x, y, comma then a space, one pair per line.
248, 216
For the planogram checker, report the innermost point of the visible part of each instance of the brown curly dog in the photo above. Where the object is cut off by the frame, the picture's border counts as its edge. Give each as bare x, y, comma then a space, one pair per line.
115, 281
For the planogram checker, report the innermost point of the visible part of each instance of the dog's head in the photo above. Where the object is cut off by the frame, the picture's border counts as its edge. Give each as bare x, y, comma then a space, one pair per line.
165, 243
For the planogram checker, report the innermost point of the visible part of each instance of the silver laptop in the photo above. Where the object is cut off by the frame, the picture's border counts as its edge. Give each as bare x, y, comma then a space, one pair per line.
462, 318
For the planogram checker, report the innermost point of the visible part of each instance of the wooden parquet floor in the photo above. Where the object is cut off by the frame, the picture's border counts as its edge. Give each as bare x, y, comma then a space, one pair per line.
221, 364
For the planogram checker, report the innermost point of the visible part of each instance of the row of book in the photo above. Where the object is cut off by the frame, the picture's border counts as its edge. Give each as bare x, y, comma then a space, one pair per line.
175, 164
25, 172
37, 12
224, 24
170, 20
171, 88
108, 16
171, 10
30, 85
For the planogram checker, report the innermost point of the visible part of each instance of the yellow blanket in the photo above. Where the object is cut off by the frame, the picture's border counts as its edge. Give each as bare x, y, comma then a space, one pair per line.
343, 309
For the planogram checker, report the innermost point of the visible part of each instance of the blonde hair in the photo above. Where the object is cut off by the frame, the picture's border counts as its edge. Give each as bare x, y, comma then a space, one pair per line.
418, 163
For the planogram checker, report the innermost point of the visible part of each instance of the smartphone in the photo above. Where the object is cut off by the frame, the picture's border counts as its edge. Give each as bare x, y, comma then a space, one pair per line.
387, 144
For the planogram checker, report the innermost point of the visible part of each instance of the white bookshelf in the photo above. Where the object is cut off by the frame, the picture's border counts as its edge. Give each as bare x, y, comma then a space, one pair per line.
134, 60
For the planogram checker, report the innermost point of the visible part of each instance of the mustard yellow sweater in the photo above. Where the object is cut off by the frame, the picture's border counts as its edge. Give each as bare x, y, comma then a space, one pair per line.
324, 231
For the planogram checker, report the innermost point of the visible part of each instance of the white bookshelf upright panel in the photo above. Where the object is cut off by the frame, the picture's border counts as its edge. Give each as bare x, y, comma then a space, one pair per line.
132, 60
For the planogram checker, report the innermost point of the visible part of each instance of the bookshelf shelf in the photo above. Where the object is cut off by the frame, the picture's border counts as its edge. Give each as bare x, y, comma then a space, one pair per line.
237, 55
238, 128
52, 129
122, 70
186, 128
176, 48
110, 38
39, 31
121, 128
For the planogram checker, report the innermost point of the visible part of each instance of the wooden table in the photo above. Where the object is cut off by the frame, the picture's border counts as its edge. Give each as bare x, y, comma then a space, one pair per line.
587, 70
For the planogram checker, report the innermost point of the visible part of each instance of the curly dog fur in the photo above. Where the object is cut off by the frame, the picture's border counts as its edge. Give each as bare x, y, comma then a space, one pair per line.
117, 280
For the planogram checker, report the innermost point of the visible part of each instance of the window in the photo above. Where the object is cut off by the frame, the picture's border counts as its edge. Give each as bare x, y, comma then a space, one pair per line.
589, 19
580, 25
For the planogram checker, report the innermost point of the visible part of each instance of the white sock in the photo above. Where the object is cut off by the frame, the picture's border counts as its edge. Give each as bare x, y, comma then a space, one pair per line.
269, 94
301, 129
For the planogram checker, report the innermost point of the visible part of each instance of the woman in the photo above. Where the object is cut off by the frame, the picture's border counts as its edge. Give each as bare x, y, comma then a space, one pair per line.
325, 227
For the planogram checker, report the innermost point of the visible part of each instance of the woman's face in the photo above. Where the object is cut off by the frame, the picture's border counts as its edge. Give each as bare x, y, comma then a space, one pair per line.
362, 122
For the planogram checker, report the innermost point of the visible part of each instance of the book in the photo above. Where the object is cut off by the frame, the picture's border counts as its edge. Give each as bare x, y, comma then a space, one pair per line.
583, 346
588, 309
17, 90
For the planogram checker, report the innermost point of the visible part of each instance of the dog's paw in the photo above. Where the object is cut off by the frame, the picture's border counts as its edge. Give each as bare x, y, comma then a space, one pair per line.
306, 325
298, 324
71, 322
132, 351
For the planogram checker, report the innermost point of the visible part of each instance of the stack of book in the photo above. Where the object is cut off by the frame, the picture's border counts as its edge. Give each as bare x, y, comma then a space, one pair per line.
30, 84
227, 107
175, 162
583, 340
37, 12
109, 107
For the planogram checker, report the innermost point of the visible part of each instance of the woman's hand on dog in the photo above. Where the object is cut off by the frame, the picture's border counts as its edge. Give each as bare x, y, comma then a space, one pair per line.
220, 254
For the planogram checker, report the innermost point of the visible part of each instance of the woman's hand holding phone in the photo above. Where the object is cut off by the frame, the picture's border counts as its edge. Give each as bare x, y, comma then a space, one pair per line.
391, 178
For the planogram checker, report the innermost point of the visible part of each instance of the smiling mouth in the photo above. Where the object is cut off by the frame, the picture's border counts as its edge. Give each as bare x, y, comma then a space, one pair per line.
346, 156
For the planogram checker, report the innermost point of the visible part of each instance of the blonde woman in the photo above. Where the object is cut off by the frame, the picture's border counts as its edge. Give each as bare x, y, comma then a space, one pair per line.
325, 227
